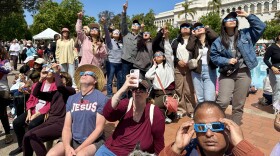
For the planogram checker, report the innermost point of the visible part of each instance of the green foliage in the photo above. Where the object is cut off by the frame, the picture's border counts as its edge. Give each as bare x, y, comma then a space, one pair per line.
272, 30
212, 19
56, 16
173, 32
14, 26
187, 10
9, 6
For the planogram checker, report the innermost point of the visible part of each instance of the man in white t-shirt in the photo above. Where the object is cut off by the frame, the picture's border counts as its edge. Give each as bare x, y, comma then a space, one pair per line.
14, 52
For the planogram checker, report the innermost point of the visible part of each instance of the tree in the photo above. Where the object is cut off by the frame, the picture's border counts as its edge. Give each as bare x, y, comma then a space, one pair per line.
187, 10
14, 26
272, 29
116, 21
32, 5
214, 5
57, 16
212, 19
108, 15
9, 6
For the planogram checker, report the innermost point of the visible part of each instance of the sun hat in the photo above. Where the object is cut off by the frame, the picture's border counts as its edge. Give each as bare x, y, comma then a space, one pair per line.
99, 75
65, 29
94, 25
40, 61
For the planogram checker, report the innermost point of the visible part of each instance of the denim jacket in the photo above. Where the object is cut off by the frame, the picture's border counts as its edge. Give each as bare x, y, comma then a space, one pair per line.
247, 38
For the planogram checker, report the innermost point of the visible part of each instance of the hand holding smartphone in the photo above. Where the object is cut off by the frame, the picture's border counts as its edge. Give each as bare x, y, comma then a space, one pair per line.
135, 73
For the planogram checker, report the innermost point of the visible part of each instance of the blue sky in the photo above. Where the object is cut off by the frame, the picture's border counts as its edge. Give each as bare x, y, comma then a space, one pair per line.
93, 7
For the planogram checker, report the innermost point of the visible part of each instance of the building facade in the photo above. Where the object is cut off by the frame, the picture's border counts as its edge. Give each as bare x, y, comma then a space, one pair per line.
264, 9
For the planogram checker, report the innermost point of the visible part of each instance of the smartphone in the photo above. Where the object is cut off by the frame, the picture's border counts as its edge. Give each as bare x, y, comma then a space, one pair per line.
135, 73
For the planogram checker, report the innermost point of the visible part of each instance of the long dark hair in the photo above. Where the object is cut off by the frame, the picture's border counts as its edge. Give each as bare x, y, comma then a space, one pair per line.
3, 53
225, 37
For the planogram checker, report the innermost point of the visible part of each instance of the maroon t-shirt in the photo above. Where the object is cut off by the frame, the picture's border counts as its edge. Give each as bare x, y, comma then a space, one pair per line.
128, 132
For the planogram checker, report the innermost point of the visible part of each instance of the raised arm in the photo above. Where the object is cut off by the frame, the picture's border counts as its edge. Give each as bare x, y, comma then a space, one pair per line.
107, 34
79, 28
124, 28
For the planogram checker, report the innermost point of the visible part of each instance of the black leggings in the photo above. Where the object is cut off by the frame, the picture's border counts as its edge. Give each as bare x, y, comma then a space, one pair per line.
15, 61
19, 125
3, 115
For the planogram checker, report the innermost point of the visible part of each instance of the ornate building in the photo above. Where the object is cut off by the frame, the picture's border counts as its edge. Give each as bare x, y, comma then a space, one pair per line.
264, 9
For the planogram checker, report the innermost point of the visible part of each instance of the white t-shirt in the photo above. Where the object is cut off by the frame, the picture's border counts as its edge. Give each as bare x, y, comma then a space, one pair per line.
182, 53
42, 103
204, 52
14, 48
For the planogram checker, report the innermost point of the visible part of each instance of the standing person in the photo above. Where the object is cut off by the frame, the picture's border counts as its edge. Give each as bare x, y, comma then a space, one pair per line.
5, 68
163, 71
204, 76
113, 64
183, 79
93, 49
52, 127
273, 54
53, 45
83, 130
139, 121
14, 52
130, 40
65, 53
233, 52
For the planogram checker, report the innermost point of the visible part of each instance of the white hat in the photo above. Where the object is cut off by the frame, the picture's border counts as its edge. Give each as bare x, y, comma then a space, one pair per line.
40, 61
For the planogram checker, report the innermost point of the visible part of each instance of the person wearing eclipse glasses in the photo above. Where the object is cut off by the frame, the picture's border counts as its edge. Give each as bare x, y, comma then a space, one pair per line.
204, 75
215, 136
184, 85
93, 49
140, 122
114, 62
130, 40
56, 98
234, 53
82, 133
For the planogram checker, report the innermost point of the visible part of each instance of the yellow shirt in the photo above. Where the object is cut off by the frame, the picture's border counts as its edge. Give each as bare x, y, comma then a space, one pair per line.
65, 51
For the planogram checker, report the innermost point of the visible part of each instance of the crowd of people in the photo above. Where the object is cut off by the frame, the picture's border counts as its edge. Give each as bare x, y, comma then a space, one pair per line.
66, 101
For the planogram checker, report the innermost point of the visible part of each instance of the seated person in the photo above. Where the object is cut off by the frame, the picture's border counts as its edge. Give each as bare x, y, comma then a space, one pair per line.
52, 127
83, 131
139, 122
36, 108
215, 135
267, 91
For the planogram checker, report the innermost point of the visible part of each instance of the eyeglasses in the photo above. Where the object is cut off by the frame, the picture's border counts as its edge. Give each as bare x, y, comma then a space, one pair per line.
214, 127
230, 19
138, 90
136, 24
87, 73
185, 27
198, 27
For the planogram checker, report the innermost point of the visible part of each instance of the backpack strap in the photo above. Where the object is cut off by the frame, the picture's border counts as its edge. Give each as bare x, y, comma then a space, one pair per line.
152, 108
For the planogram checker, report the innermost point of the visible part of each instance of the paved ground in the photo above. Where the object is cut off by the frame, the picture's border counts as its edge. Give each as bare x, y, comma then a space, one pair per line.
257, 127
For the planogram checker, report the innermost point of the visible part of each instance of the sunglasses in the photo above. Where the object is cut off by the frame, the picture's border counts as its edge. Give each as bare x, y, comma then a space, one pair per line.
214, 127
87, 73
230, 19
198, 27
185, 27
139, 90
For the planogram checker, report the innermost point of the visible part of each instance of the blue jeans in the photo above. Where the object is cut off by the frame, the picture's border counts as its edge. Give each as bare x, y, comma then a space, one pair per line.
204, 84
69, 68
113, 69
104, 151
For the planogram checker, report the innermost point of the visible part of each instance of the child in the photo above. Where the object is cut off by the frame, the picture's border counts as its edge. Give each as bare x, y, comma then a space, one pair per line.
267, 91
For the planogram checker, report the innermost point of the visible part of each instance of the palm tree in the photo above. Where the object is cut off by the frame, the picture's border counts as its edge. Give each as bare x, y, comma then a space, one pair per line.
187, 10
215, 5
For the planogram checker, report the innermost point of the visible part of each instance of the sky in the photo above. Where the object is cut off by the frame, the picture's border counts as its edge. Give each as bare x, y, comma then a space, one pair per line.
93, 7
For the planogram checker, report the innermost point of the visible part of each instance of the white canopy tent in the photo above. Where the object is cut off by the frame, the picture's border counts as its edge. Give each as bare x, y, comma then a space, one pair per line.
46, 34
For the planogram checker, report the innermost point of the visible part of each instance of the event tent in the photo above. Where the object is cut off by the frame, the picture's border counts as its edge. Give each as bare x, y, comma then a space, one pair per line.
46, 34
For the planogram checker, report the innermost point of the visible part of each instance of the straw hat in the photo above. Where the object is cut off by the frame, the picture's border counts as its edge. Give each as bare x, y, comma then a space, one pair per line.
94, 25
98, 72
